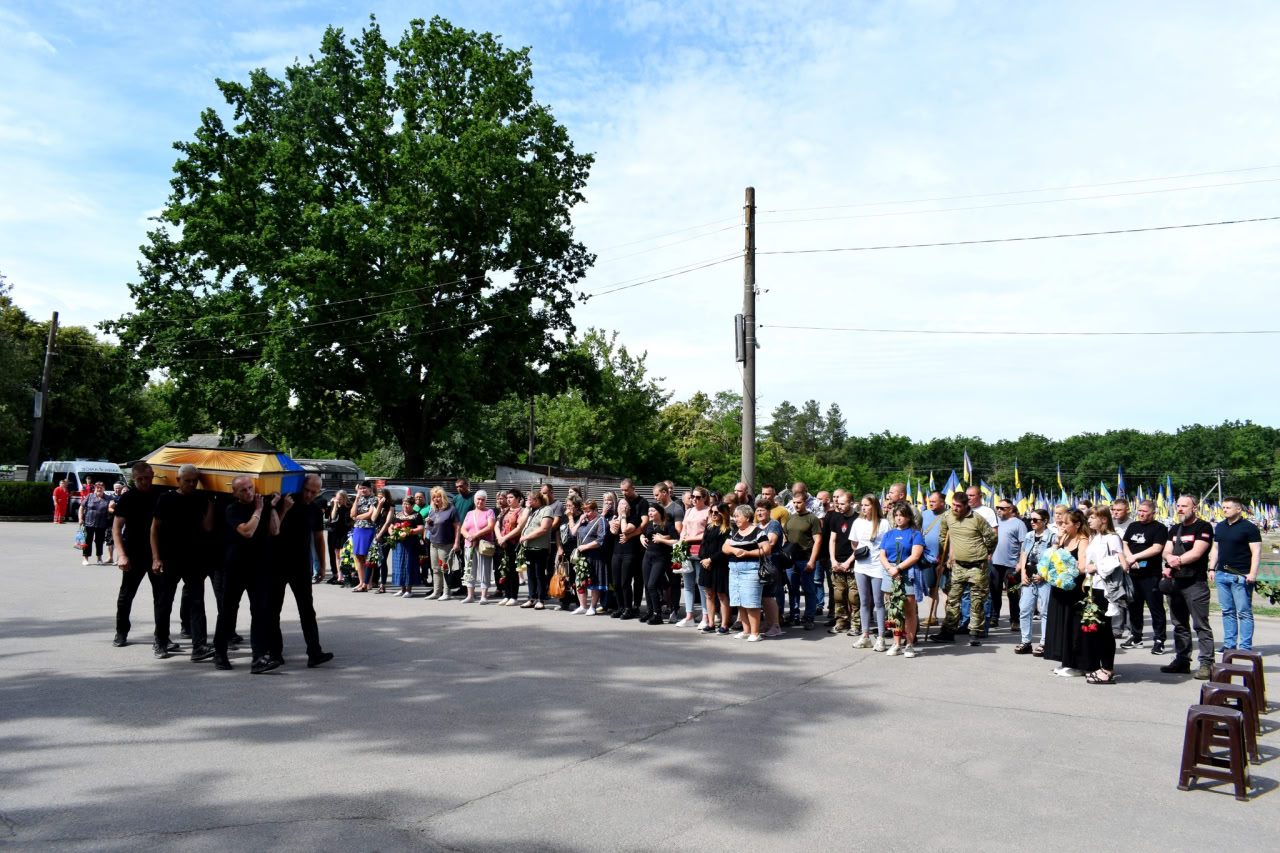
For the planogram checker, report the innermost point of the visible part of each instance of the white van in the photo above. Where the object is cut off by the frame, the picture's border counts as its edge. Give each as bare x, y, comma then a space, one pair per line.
78, 473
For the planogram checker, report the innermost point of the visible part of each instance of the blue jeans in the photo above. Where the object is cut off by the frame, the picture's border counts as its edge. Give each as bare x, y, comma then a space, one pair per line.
819, 573
964, 610
797, 579
1235, 598
1027, 598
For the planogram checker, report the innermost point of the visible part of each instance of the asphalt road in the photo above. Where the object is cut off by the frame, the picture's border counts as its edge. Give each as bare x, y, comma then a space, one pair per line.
443, 726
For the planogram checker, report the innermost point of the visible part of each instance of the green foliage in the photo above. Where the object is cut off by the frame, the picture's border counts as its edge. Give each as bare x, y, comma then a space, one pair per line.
26, 498
385, 460
334, 252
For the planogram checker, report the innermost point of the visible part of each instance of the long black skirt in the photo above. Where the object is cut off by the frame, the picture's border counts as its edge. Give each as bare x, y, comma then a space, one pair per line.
1063, 640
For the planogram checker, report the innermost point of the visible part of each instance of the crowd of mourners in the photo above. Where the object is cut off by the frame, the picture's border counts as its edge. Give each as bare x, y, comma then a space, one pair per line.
726, 565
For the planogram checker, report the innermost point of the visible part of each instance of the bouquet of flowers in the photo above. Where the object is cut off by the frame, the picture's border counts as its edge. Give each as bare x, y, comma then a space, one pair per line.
679, 557
1058, 567
400, 532
1090, 618
581, 572
895, 605
522, 562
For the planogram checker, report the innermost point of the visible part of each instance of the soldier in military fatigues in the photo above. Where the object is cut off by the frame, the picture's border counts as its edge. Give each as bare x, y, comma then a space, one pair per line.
966, 542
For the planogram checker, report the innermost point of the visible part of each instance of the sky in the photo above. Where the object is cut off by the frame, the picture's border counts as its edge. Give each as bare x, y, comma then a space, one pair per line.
858, 124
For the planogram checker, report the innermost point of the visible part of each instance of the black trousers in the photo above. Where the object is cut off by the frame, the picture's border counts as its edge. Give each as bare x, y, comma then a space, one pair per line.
1147, 591
130, 580
191, 588
94, 536
1189, 606
537, 577
164, 587
297, 579
627, 578
510, 585
656, 568
236, 581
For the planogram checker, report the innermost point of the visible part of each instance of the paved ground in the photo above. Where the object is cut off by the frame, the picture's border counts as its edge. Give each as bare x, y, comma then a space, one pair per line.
442, 726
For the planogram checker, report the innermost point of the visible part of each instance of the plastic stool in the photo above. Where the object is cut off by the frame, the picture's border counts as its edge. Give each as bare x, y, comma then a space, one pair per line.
1197, 762
1233, 696
1255, 658
1226, 673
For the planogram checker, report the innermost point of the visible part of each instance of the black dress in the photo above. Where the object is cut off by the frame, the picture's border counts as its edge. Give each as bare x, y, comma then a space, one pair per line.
717, 577
1063, 639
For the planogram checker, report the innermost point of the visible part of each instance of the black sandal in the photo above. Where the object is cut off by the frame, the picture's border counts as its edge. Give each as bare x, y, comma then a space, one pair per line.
1092, 678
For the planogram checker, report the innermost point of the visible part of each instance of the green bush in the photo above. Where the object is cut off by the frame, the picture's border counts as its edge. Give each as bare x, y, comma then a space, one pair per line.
26, 498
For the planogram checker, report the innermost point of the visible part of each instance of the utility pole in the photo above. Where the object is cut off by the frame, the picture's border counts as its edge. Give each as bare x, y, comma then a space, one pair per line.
529, 460
749, 345
42, 400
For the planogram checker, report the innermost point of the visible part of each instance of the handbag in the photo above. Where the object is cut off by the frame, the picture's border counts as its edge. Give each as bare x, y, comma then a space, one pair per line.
486, 548
79, 543
1109, 563
556, 588
862, 552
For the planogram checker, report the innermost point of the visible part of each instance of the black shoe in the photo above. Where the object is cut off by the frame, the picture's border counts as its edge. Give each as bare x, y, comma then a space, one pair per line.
279, 659
1181, 667
173, 647
627, 614
942, 637
617, 614
314, 661
655, 619
221, 662
808, 624
185, 635
1157, 647
261, 665
237, 640
200, 653
1131, 643
159, 652
963, 630
120, 640
982, 636
333, 581
975, 642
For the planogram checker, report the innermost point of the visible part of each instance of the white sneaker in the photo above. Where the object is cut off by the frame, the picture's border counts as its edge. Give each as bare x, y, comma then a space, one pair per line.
741, 635
911, 652
587, 611
893, 651
580, 611
86, 562
862, 643
1068, 672
470, 599
879, 645
483, 600
754, 638
1057, 670
686, 622
409, 594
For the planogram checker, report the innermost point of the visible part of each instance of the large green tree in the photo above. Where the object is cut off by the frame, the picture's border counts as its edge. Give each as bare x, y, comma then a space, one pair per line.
384, 233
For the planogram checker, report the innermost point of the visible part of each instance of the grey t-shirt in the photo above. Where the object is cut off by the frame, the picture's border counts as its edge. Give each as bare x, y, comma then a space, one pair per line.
1010, 534
675, 512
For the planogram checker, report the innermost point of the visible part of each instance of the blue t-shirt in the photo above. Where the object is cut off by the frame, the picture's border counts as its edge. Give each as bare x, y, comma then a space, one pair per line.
898, 543
1011, 532
932, 523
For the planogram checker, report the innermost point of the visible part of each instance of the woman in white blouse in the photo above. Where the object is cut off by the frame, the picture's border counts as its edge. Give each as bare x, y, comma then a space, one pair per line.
868, 532
1103, 558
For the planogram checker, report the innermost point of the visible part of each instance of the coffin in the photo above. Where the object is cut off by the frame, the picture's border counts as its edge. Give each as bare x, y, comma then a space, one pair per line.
270, 471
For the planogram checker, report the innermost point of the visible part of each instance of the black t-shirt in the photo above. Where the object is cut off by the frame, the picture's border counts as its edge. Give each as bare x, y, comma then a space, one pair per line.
637, 511
610, 539
137, 508
299, 525
837, 525
1234, 554
662, 549
1184, 537
248, 553
182, 535
1140, 537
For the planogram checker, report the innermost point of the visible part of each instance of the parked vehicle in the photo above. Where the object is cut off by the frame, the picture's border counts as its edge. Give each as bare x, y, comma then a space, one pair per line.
79, 473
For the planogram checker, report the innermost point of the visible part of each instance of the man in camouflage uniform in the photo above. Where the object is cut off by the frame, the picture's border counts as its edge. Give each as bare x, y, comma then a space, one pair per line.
966, 542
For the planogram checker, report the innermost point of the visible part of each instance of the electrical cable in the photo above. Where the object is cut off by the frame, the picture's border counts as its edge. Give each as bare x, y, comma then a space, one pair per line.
1017, 239
1020, 192
1016, 203
1004, 332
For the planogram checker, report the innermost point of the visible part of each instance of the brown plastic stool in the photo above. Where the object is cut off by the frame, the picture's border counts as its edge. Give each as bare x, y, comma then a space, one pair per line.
1232, 696
1197, 762
1226, 673
1254, 658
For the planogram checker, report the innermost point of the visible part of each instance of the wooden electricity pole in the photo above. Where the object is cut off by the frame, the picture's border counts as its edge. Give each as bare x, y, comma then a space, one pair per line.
749, 345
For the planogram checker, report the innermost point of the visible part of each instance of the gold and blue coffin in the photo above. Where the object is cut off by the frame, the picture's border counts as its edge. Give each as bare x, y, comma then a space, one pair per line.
270, 471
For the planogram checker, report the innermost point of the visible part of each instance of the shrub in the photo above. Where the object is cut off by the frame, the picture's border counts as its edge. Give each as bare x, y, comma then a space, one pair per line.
20, 498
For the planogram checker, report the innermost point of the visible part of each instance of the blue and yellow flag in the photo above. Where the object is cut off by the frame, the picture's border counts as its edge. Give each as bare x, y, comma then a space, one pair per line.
1017, 482
968, 468
1120, 480
1106, 496
1061, 487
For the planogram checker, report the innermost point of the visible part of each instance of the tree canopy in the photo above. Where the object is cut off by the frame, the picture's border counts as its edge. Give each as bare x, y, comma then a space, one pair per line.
383, 234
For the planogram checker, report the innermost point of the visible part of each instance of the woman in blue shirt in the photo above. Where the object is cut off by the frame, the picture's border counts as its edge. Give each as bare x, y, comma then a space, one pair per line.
904, 581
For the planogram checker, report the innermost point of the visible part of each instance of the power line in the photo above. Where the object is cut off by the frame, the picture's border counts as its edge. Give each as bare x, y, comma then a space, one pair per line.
1021, 333
479, 277
1018, 239
622, 284
1018, 203
1022, 192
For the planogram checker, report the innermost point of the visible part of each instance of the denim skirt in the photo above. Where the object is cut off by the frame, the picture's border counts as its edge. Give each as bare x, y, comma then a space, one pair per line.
744, 584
